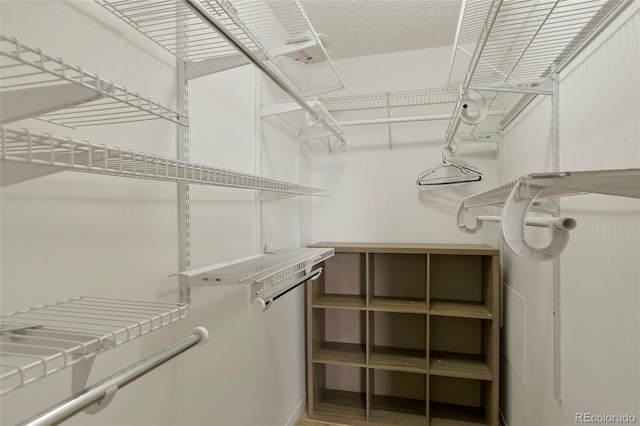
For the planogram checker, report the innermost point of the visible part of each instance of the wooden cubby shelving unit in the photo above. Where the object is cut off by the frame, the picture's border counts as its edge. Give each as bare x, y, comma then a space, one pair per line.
404, 334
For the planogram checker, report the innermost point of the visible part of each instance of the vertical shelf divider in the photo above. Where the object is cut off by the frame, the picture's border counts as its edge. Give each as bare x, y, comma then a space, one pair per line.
428, 333
368, 291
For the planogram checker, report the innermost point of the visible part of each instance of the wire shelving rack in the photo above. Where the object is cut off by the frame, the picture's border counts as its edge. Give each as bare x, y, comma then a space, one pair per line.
519, 43
34, 84
280, 33
23, 146
40, 341
433, 96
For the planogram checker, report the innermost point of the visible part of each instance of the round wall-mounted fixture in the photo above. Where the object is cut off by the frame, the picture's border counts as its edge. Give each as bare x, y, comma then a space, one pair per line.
474, 107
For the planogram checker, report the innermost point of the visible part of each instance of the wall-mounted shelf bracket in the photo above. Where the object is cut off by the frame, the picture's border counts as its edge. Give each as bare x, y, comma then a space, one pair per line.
25, 103
277, 109
79, 379
206, 67
482, 137
540, 86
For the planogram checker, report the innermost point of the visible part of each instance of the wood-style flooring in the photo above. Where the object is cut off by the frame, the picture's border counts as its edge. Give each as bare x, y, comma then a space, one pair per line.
303, 420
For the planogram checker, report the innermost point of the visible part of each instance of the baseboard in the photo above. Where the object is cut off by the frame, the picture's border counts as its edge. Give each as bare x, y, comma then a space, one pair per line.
296, 413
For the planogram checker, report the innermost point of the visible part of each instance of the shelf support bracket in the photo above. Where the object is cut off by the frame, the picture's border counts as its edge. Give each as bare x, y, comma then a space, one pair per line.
277, 109
79, 377
25, 103
541, 86
212, 66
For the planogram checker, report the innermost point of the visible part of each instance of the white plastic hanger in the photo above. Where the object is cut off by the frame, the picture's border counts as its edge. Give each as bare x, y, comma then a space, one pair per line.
462, 174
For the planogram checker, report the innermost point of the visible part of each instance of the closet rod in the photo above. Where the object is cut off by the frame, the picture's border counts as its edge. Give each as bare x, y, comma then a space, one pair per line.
103, 392
262, 304
207, 17
562, 223
432, 117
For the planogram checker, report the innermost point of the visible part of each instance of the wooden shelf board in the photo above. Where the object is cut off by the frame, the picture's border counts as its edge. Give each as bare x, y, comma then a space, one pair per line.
463, 366
442, 414
341, 353
459, 309
398, 304
395, 410
409, 360
336, 404
341, 301
410, 248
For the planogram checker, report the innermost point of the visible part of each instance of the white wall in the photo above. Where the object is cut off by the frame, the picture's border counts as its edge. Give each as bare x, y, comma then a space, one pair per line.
373, 192
74, 234
600, 278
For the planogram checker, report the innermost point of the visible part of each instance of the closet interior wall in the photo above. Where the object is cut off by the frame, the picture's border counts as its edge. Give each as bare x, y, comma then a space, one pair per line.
72, 234
599, 110
373, 192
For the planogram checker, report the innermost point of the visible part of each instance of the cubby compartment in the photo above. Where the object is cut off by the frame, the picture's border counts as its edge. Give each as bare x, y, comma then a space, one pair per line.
397, 397
460, 347
343, 283
339, 392
463, 285
398, 341
398, 282
460, 402
339, 336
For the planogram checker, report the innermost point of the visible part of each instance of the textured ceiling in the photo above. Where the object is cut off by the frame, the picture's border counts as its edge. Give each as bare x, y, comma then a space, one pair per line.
370, 27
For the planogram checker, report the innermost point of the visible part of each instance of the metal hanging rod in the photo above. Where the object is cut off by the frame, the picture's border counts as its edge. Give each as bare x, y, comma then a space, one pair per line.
33, 85
410, 119
220, 28
23, 146
103, 392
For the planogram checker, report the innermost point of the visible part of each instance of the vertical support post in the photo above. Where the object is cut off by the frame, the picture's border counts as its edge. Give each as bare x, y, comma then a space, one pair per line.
258, 162
184, 235
389, 116
557, 336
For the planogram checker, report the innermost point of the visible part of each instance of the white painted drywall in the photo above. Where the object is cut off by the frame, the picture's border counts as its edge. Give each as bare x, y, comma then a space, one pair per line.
74, 234
373, 192
600, 280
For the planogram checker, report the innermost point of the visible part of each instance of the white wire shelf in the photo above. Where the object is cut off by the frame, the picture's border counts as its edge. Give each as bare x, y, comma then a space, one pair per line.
434, 96
33, 84
23, 146
270, 274
38, 342
624, 182
265, 269
280, 33
521, 41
